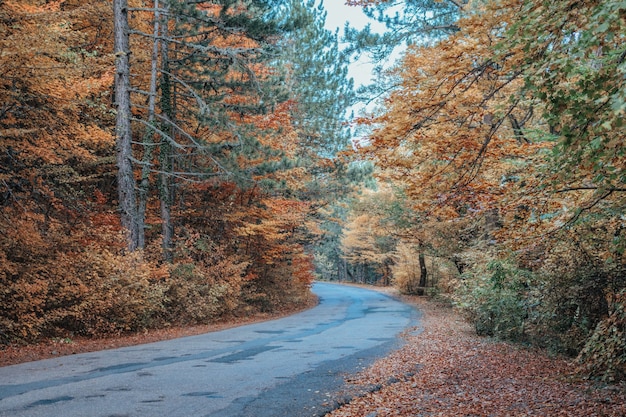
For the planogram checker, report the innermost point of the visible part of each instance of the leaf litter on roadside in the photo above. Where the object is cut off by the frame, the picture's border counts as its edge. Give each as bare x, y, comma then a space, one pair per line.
447, 370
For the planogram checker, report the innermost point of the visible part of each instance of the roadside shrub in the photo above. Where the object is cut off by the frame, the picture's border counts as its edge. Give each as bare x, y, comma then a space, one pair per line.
116, 294
205, 283
495, 298
571, 297
571, 303
604, 353
194, 296
78, 293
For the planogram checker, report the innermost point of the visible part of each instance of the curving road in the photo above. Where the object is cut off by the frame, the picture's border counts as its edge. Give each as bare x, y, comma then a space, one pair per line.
289, 367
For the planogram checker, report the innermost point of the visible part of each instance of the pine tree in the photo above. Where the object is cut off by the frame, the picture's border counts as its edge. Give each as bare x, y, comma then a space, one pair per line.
407, 23
123, 134
210, 72
317, 77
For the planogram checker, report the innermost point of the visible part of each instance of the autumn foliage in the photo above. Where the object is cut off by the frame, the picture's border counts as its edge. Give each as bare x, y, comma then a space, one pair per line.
503, 143
238, 243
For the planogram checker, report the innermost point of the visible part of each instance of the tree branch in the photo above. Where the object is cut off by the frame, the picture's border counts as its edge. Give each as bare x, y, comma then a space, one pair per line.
590, 187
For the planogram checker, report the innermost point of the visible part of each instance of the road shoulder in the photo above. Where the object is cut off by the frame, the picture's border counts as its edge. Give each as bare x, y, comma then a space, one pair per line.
446, 369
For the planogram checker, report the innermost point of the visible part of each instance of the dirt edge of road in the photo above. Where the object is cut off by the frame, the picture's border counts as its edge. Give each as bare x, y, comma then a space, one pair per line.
445, 369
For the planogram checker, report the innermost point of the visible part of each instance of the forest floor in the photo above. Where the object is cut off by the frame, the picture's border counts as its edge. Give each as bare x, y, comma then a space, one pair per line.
443, 369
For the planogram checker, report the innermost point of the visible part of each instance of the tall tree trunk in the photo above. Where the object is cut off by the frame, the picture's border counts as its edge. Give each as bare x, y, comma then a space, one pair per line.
148, 139
423, 271
165, 154
125, 178
386, 272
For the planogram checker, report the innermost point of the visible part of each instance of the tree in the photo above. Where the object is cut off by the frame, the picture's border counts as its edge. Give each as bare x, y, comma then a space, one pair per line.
65, 266
148, 137
370, 235
446, 134
575, 67
198, 71
410, 22
318, 79
315, 71
511, 125
57, 230
123, 134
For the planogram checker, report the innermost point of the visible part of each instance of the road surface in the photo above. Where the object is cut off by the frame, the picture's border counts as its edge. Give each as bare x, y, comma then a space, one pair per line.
289, 367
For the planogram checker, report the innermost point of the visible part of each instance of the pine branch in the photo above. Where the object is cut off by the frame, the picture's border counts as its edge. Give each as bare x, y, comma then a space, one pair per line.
590, 187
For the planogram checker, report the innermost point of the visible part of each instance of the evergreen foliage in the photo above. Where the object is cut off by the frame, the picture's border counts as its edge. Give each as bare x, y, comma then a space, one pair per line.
317, 76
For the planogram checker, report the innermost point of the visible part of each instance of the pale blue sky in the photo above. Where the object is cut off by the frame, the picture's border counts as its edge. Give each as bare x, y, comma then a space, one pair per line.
338, 15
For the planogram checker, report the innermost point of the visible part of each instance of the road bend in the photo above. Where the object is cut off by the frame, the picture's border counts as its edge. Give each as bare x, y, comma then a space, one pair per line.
290, 367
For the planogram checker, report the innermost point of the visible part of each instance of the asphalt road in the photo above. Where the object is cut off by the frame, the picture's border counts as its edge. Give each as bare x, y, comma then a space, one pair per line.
289, 367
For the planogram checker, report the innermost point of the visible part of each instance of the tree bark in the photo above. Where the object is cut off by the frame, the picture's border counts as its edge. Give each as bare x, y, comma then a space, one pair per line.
125, 177
165, 153
148, 139
423, 272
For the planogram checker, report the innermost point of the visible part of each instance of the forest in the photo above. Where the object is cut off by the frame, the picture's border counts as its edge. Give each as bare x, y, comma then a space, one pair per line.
172, 162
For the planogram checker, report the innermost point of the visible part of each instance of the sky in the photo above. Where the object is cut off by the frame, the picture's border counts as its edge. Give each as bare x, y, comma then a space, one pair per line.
338, 15
361, 71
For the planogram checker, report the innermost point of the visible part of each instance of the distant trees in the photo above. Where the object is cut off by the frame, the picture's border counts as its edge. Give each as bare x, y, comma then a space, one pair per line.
369, 238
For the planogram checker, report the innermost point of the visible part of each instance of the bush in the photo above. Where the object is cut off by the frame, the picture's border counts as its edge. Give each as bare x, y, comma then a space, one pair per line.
205, 283
117, 295
571, 297
195, 295
85, 293
571, 303
495, 298
604, 353
62, 278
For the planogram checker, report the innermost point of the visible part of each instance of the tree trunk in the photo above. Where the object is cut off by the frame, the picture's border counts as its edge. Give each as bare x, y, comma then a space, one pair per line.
346, 275
125, 177
148, 140
492, 223
165, 154
423, 272
385, 278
